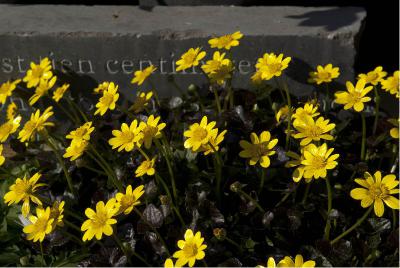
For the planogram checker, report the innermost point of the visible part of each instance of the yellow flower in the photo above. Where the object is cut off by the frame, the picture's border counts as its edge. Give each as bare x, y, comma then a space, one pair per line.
141, 101
260, 148
391, 84
190, 58
101, 87
354, 96
140, 76
283, 113
394, 132
128, 137
75, 150
191, 249
377, 190
40, 226
213, 144
2, 158
6, 90
59, 92
317, 160
35, 124
298, 262
42, 89
302, 113
38, 72
256, 78
373, 77
11, 111
310, 130
212, 65
57, 213
324, 74
130, 199
23, 190
226, 41
223, 73
146, 167
271, 65
199, 134
81, 134
296, 162
108, 100
169, 263
151, 130
270, 263
9, 128
100, 221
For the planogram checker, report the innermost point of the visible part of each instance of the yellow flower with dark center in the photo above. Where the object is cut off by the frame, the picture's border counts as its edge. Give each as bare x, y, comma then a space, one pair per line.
59, 92
213, 144
373, 77
151, 130
317, 160
38, 72
313, 130
191, 249
354, 97
40, 226
226, 41
218, 60
36, 123
108, 100
9, 128
221, 74
81, 134
126, 202
190, 58
141, 76
324, 74
259, 150
283, 113
57, 213
271, 65
199, 134
42, 89
391, 84
101, 87
11, 111
100, 221
2, 158
141, 101
6, 90
146, 167
298, 262
128, 137
394, 132
301, 113
23, 190
75, 150
377, 191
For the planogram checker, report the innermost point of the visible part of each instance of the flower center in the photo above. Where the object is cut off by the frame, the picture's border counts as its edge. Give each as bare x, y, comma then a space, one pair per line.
190, 58
318, 162
199, 133
275, 67
24, 189
100, 220
41, 225
150, 131
37, 72
378, 191
107, 99
324, 75
314, 131
190, 250
260, 150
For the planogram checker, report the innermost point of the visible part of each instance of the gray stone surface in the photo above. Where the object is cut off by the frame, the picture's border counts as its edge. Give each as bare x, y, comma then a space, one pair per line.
111, 42
190, 2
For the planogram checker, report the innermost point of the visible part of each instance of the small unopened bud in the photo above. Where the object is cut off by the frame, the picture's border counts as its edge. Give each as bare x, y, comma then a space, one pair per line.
236, 186
164, 200
192, 88
219, 233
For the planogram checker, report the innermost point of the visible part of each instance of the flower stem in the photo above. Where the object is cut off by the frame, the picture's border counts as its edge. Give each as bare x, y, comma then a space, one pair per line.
217, 102
251, 199
154, 92
169, 166
289, 104
218, 170
72, 103
262, 180
234, 243
360, 220
68, 114
143, 153
41, 251
377, 104
364, 136
394, 218
61, 162
306, 191
328, 221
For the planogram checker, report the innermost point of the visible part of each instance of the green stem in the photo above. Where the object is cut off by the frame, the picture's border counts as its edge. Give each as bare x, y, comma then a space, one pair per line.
262, 180
154, 92
73, 226
169, 166
394, 218
143, 153
41, 251
218, 170
360, 220
217, 102
305, 196
176, 210
377, 104
68, 114
61, 162
248, 197
233, 243
72, 103
328, 221
289, 104
364, 136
